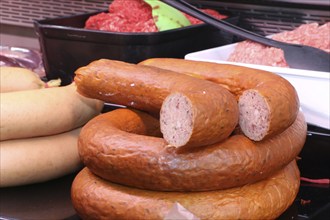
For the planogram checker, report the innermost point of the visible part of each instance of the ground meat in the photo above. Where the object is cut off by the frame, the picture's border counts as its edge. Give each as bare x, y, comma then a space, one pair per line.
307, 34
132, 16
124, 16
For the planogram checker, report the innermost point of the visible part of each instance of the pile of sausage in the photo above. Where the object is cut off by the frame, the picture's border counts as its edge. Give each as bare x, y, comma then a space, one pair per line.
40, 124
220, 140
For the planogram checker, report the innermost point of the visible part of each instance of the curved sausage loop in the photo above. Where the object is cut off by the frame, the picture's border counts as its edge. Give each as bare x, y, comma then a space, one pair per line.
95, 198
115, 147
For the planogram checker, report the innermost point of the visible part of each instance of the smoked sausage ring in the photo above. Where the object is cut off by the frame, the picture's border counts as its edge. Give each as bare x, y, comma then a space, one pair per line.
95, 198
268, 103
115, 147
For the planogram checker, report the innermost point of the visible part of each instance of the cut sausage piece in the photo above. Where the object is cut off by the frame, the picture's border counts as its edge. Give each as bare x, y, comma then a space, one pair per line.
254, 114
95, 198
276, 102
194, 118
145, 88
176, 119
115, 147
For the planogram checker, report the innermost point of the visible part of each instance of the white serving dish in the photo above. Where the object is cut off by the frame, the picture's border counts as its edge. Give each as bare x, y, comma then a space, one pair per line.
313, 87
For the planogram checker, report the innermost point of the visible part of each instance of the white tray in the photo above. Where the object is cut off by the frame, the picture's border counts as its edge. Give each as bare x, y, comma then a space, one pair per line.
313, 87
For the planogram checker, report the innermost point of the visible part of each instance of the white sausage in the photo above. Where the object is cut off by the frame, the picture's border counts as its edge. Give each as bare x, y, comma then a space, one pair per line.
43, 112
33, 160
17, 78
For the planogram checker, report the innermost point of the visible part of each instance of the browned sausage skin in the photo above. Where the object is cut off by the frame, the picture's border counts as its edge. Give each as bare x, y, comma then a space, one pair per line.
268, 103
208, 113
95, 198
133, 159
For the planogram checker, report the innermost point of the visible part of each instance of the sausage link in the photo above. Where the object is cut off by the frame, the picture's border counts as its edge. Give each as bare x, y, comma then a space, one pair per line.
268, 103
147, 162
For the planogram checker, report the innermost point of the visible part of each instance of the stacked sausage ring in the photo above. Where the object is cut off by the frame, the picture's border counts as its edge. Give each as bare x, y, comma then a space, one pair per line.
181, 143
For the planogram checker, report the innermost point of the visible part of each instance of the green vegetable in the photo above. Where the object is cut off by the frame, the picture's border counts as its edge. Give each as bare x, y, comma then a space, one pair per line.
167, 17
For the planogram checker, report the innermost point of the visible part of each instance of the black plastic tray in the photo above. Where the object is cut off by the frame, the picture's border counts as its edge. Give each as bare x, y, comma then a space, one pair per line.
66, 45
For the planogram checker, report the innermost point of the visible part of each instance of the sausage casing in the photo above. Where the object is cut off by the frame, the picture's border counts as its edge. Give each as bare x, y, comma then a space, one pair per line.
95, 198
114, 146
